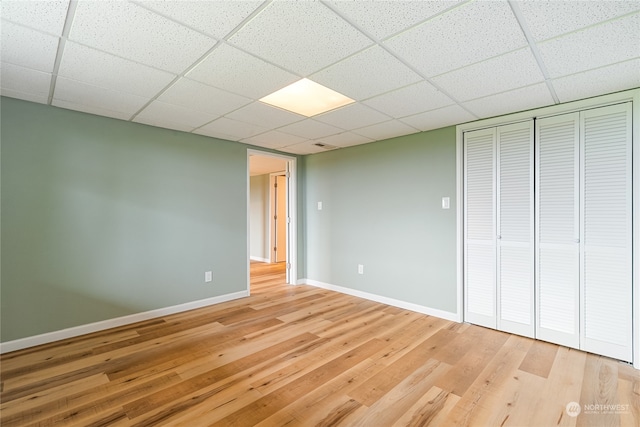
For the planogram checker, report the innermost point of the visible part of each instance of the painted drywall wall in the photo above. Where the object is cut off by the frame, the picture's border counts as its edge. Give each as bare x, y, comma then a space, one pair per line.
258, 217
103, 218
381, 207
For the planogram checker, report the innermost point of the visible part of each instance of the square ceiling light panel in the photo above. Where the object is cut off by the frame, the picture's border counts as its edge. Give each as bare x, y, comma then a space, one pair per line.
307, 98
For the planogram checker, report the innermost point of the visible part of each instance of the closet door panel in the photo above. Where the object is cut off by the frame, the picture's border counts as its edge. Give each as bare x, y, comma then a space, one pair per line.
479, 226
606, 263
557, 229
515, 255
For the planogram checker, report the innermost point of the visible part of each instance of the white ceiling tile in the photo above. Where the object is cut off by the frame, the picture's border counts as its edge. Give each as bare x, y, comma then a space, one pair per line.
160, 111
135, 33
200, 97
93, 96
300, 36
28, 48
273, 139
366, 74
90, 109
345, 139
235, 71
500, 74
163, 123
390, 129
263, 115
353, 116
216, 18
467, 34
303, 148
111, 72
310, 129
598, 81
39, 98
47, 16
410, 100
550, 18
442, 117
384, 18
522, 99
230, 129
24, 80
605, 44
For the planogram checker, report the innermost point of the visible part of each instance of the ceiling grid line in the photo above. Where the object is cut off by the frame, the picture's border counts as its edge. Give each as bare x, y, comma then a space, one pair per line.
68, 22
534, 49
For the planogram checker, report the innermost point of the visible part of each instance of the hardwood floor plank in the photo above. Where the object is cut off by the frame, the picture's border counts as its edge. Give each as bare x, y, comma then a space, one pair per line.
465, 372
399, 399
431, 409
600, 389
540, 358
301, 356
380, 384
273, 402
173, 394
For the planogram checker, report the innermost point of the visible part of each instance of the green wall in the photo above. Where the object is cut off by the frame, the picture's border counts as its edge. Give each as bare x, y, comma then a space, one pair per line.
382, 208
103, 218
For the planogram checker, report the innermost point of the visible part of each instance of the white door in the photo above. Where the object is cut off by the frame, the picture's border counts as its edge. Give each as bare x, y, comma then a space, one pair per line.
606, 237
515, 255
479, 227
557, 230
280, 219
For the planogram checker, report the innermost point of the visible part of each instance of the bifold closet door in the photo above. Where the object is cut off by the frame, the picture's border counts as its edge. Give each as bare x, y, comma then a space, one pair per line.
515, 236
557, 229
606, 238
479, 227
584, 234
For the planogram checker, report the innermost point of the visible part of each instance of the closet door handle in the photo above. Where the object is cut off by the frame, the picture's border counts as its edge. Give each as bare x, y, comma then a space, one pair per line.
577, 240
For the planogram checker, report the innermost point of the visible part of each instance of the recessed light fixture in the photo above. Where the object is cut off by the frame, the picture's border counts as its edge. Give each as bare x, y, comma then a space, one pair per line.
307, 97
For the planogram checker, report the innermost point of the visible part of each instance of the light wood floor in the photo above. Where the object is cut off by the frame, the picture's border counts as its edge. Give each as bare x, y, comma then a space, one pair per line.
302, 356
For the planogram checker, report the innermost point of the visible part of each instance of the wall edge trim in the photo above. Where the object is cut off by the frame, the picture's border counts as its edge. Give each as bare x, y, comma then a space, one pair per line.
102, 325
454, 317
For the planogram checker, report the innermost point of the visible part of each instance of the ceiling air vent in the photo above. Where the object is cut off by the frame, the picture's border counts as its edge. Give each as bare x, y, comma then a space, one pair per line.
325, 146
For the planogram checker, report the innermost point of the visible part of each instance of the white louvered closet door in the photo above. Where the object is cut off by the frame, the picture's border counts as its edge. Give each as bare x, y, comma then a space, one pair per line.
479, 226
515, 251
606, 251
557, 230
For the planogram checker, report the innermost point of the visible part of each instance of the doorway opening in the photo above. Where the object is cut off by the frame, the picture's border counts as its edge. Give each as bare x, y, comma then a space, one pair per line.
271, 213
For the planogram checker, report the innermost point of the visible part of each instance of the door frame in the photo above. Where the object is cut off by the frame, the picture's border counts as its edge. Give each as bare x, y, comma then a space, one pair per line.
292, 208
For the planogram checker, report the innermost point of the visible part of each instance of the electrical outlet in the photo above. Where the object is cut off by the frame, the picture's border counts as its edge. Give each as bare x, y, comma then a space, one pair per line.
360, 269
208, 276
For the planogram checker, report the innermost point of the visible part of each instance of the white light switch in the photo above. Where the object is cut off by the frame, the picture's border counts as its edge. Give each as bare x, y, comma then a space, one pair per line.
319, 206
208, 276
445, 203
360, 269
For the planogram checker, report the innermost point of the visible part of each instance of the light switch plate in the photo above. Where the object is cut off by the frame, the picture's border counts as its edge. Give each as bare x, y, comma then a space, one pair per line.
319, 206
445, 203
208, 276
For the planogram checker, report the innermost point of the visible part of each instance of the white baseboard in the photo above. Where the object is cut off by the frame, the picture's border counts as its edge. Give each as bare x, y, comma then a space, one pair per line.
384, 300
257, 258
75, 331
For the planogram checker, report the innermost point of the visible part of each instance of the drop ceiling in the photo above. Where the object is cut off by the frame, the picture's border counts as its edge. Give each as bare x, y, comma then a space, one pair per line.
202, 66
